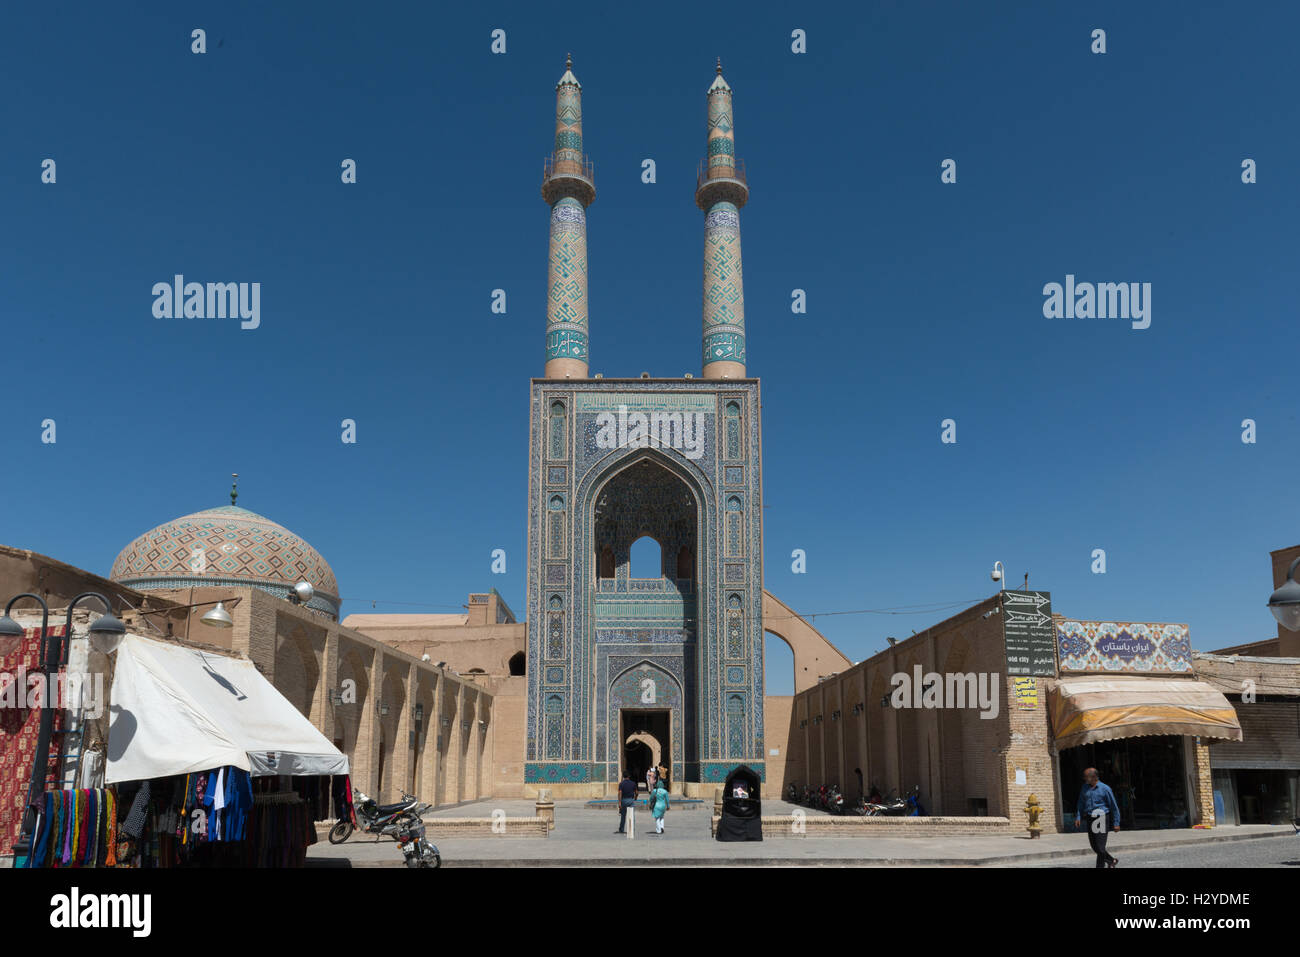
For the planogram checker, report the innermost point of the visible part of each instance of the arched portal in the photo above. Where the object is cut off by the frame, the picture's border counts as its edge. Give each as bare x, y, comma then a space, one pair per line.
646, 616
651, 743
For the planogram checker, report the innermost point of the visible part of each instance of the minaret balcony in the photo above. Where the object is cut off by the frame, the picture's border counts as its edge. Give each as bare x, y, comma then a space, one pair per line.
718, 184
568, 177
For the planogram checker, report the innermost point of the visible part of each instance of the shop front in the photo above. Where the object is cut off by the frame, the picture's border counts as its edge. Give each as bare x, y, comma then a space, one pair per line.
1148, 775
205, 764
1128, 703
1256, 780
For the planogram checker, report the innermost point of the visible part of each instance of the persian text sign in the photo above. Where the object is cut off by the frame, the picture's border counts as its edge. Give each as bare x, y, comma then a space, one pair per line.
1110, 646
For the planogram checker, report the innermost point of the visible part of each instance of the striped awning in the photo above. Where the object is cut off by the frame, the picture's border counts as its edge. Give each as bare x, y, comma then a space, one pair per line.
1086, 709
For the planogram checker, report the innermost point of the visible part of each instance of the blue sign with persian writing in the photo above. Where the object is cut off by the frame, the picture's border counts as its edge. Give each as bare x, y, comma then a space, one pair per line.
1135, 647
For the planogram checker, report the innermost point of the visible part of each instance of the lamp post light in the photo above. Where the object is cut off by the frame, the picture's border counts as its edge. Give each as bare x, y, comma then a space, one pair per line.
1285, 602
106, 633
218, 617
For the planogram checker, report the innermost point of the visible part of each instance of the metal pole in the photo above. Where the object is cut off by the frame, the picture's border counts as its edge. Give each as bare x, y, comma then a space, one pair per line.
48, 661
54, 655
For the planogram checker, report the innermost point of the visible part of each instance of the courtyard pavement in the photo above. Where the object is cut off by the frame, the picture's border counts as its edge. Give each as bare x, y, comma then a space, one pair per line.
584, 837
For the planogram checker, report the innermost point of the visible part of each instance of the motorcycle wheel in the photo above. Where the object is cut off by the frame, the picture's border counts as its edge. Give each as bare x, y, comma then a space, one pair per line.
340, 832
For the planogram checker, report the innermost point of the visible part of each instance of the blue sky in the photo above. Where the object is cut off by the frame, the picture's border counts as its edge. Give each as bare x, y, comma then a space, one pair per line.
924, 299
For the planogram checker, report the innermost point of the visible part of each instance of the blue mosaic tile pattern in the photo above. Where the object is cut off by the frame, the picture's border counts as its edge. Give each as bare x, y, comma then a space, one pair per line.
675, 626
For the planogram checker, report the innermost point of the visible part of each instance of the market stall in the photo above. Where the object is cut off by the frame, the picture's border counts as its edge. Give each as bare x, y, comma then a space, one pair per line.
207, 764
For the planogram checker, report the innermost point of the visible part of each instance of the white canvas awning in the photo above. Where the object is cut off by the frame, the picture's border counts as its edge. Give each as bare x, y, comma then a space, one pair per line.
177, 710
1086, 709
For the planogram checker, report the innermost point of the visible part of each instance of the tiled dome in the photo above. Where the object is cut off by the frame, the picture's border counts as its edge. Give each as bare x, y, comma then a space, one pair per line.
239, 547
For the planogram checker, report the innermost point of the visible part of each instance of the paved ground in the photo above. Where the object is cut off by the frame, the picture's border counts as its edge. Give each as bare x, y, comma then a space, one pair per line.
584, 837
1203, 854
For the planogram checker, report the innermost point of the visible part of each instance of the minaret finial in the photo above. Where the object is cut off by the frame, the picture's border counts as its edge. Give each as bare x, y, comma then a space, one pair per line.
568, 61
234, 487
719, 66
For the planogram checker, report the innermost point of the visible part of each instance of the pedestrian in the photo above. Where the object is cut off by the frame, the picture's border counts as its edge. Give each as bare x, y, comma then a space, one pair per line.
663, 775
659, 805
1097, 805
626, 798
651, 776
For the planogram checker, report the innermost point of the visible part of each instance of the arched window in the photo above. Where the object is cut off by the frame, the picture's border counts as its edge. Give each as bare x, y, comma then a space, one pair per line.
733, 430
686, 562
605, 562
647, 559
517, 663
557, 438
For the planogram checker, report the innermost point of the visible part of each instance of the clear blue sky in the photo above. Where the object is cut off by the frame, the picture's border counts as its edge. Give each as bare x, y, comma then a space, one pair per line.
924, 299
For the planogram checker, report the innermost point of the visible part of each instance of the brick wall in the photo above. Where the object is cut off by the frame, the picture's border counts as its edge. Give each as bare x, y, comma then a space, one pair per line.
959, 759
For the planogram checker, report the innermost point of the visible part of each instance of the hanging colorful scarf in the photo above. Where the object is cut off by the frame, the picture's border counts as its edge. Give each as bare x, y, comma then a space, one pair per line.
69, 826
110, 852
91, 838
84, 818
185, 811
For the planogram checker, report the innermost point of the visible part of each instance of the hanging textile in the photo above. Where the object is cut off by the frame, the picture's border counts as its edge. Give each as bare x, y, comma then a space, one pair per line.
341, 785
75, 828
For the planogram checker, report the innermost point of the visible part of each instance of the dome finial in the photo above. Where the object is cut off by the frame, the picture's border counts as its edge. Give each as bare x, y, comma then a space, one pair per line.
234, 487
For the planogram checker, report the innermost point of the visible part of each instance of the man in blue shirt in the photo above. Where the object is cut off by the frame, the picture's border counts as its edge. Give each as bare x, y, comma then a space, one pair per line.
1097, 806
626, 798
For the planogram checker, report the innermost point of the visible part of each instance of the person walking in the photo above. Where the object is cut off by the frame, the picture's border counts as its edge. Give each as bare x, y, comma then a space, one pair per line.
1097, 805
626, 798
651, 776
663, 775
658, 806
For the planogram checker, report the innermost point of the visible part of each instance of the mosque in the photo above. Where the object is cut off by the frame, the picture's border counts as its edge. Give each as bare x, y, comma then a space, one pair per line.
617, 667
671, 663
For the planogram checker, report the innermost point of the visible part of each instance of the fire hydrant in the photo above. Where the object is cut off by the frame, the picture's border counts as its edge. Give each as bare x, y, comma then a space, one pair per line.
1033, 809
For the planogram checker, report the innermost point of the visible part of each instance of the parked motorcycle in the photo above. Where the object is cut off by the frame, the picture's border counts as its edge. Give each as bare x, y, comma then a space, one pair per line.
834, 799
416, 850
914, 808
380, 820
893, 805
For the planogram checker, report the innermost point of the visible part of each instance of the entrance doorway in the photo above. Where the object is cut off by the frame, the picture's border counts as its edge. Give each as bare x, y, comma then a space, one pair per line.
1146, 774
645, 737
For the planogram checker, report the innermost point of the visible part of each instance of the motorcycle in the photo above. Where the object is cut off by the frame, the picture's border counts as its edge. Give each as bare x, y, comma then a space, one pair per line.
834, 800
380, 820
893, 806
914, 808
416, 851
792, 793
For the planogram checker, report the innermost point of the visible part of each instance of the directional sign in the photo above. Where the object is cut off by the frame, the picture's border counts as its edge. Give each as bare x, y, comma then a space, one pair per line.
1028, 633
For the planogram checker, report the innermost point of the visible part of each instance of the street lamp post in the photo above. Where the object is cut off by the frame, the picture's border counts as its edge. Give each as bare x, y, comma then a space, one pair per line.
1285, 602
53, 655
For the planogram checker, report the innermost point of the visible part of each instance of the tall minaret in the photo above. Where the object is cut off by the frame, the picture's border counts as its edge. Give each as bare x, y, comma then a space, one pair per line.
720, 191
568, 188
